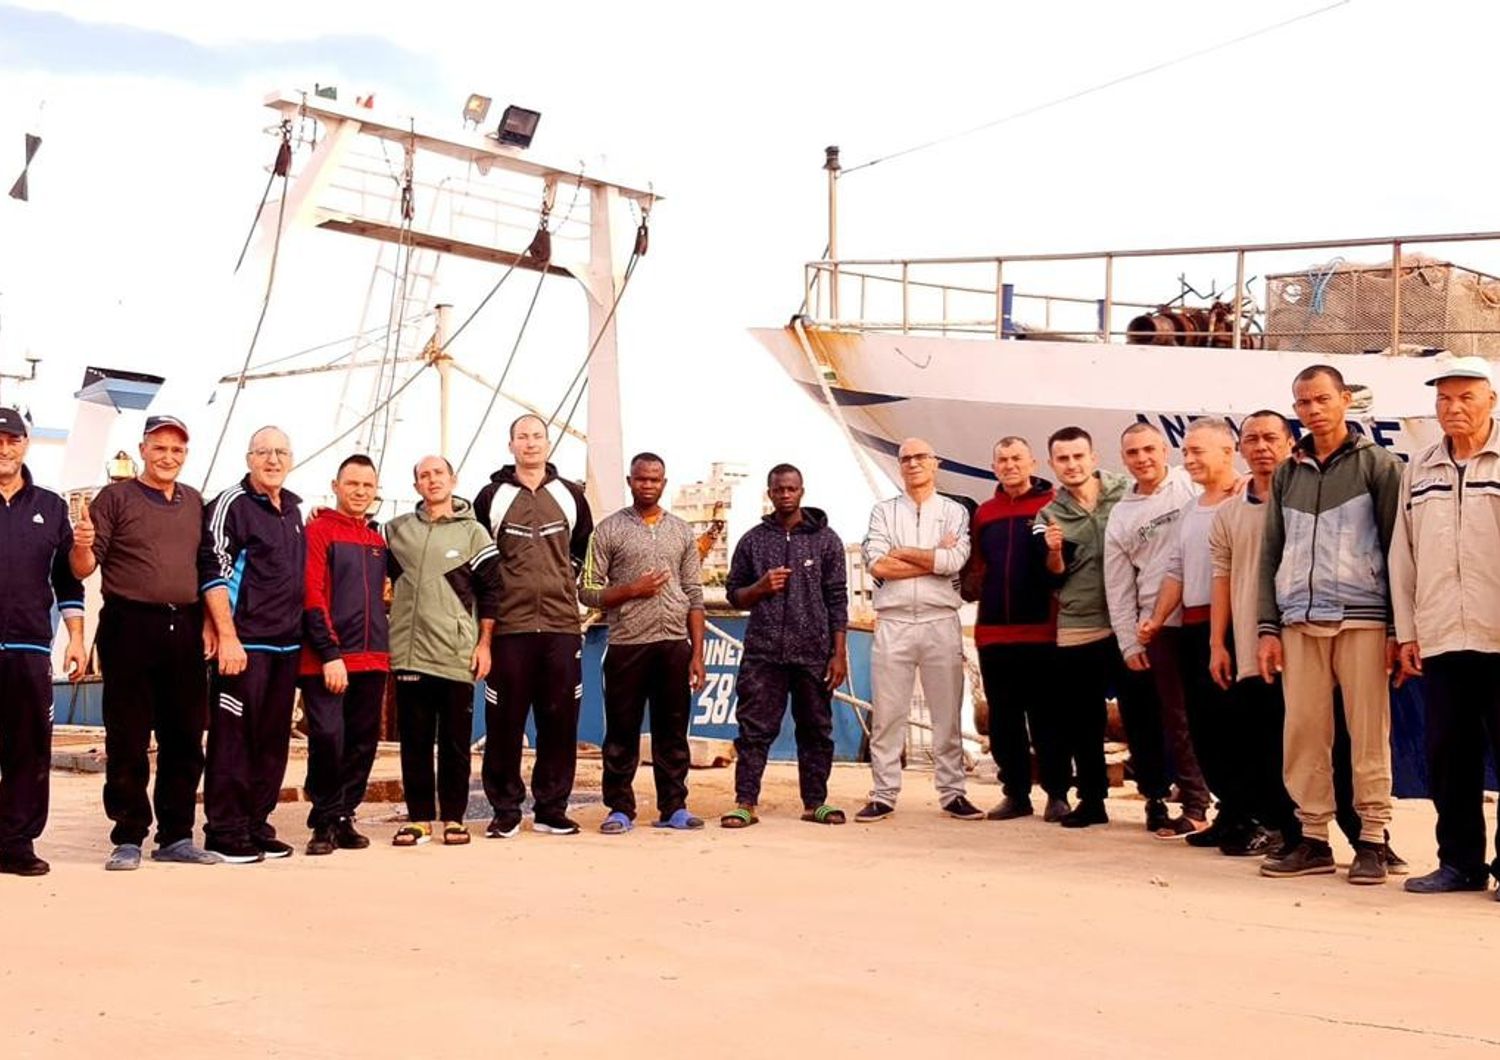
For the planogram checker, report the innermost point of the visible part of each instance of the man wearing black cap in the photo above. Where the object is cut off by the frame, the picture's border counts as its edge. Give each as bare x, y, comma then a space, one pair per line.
34, 541
145, 534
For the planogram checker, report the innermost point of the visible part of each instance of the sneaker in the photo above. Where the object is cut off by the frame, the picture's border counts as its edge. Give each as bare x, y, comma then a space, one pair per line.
346, 838
1369, 864
235, 851
873, 811
1308, 858
1087, 812
1157, 814
1009, 809
561, 825
23, 864
322, 842
1443, 879
184, 852
1252, 843
1057, 809
959, 806
271, 847
1395, 864
503, 826
124, 858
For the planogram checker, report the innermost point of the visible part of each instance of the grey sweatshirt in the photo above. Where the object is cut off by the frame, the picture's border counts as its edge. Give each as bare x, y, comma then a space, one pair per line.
623, 548
1137, 547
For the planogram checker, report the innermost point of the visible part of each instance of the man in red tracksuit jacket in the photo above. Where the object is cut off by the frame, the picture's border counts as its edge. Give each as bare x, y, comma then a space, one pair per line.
345, 656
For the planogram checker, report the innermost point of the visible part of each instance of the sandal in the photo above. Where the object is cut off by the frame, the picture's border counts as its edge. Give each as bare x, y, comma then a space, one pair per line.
679, 821
412, 835
825, 814
455, 834
739, 817
616, 823
1180, 827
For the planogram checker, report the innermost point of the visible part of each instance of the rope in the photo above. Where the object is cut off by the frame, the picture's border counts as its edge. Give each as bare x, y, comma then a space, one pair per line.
514, 349
1320, 278
366, 417
1102, 86
860, 456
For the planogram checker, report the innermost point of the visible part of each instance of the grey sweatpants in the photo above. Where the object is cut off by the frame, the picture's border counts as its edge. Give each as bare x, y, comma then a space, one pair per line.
902, 649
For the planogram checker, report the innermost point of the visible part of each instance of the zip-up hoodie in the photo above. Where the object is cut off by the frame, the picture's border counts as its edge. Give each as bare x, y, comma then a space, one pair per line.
1016, 602
1081, 600
1328, 531
1445, 556
795, 626
343, 614
543, 538
1137, 542
256, 552
445, 575
35, 537
900, 522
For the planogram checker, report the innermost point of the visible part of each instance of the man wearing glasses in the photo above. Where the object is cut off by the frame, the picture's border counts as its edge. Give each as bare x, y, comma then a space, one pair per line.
916, 547
251, 572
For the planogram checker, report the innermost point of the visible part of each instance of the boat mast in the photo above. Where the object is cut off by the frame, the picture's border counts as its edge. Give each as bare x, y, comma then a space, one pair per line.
831, 164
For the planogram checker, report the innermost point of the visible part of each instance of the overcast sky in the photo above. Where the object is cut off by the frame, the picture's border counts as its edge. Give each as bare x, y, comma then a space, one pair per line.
1371, 119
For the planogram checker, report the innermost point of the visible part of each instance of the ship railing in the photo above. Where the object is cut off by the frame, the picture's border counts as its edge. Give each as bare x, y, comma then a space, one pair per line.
1101, 294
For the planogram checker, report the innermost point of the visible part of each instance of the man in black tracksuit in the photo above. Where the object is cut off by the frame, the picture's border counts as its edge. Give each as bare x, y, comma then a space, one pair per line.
788, 571
541, 525
35, 538
252, 568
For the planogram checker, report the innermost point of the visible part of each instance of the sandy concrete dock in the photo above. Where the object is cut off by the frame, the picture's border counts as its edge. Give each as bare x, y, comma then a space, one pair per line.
919, 935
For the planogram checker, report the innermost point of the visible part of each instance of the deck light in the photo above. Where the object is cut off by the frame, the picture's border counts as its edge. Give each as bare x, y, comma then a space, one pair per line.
517, 126
477, 109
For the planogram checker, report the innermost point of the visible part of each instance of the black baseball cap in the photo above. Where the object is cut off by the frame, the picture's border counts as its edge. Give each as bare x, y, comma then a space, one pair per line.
13, 423
156, 423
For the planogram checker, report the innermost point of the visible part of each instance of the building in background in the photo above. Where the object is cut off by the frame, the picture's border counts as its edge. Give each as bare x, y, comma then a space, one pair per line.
706, 506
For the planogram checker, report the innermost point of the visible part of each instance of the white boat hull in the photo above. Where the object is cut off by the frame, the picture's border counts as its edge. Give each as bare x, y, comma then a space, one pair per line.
963, 394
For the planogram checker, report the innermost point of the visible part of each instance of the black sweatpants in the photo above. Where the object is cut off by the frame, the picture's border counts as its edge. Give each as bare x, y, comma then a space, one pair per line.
1084, 675
432, 708
1258, 718
1023, 715
1165, 654
539, 674
249, 733
636, 675
25, 748
155, 680
761, 691
1463, 718
1211, 722
1141, 711
342, 731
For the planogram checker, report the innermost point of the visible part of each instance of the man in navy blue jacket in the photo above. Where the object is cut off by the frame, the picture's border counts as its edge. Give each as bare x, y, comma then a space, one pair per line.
252, 570
35, 537
788, 571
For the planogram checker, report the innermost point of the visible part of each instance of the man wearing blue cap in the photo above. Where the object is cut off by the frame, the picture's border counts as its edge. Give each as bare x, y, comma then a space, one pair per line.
34, 541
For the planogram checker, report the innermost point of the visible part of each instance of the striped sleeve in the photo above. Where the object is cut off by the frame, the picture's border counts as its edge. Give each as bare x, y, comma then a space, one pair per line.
217, 552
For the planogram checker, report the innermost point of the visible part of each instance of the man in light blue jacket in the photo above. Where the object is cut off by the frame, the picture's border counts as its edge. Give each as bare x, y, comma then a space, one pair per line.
916, 547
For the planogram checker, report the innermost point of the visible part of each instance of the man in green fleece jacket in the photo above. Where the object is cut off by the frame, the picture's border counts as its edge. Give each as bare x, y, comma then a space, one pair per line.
1069, 534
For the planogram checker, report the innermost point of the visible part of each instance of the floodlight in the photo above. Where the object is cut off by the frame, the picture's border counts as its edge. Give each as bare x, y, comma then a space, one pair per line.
518, 126
477, 108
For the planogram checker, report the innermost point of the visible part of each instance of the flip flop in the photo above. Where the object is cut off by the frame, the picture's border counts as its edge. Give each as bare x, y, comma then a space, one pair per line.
825, 814
411, 835
680, 821
738, 818
1179, 827
616, 824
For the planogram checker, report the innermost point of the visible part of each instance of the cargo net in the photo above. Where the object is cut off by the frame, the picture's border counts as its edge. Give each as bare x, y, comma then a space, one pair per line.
1343, 307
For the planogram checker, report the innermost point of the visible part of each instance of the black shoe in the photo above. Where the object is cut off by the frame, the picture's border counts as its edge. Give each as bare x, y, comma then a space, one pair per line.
1445, 878
23, 865
560, 825
1218, 830
322, 842
1157, 814
1057, 809
346, 838
271, 847
960, 807
1087, 812
234, 851
1369, 864
1009, 809
1308, 858
1252, 843
1395, 864
503, 826
873, 811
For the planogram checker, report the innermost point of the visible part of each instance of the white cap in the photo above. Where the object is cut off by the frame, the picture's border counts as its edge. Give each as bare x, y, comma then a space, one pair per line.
1461, 368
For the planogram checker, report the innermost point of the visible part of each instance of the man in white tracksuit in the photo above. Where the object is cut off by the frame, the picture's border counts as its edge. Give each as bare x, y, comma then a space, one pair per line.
916, 546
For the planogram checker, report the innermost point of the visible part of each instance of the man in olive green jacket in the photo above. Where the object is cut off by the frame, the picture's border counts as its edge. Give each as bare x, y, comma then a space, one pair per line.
445, 576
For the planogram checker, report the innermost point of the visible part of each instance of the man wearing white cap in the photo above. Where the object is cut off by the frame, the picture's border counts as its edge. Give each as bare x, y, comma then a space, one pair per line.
145, 533
1445, 591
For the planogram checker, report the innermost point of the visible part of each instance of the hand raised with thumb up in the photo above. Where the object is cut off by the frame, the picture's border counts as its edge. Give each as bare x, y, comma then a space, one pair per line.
83, 530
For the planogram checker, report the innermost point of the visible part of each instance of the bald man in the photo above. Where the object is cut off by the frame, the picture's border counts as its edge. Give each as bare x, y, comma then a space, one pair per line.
916, 547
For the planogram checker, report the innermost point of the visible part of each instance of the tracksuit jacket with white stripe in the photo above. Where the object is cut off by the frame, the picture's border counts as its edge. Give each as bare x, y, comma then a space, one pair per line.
37, 535
259, 555
543, 538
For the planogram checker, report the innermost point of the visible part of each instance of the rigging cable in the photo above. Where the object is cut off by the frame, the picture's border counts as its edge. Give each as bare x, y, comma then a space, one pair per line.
282, 167
1101, 86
